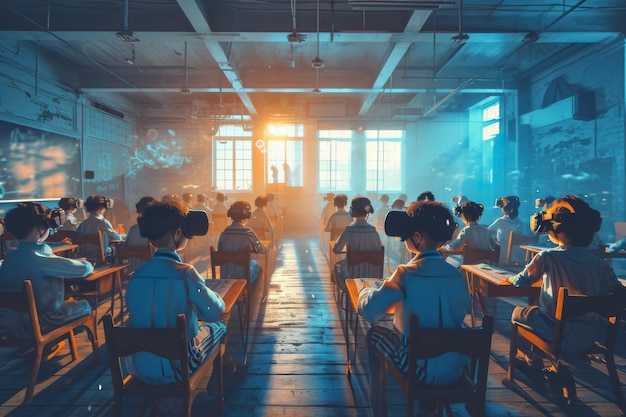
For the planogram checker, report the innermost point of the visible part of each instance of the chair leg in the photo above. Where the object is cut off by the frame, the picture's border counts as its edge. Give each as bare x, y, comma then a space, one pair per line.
218, 367
617, 388
32, 380
72, 340
512, 353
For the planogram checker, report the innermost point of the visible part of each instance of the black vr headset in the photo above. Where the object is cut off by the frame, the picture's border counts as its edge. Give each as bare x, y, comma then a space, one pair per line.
543, 222
51, 218
195, 224
399, 224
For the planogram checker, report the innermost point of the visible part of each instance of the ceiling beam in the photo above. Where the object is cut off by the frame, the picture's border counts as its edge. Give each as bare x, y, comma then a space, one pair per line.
329, 91
199, 21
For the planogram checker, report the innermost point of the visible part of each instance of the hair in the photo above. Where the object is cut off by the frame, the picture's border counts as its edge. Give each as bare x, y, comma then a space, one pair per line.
144, 202
187, 197
340, 200
471, 210
95, 202
201, 198
433, 219
426, 195
160, 218
361, 206
260, 201
398, 204
239, 210
384, 198
67, 203
22, 219
510, 206
578, 226
170, 197
220, 197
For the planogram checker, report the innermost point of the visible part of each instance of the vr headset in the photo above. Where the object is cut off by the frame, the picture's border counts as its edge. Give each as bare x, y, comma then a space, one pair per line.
399, 224
195, 224
76, 203
543, 222
51, 218
505, 201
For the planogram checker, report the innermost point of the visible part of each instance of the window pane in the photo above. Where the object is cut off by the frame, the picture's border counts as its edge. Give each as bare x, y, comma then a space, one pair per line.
334, 165
383, 165
233, 162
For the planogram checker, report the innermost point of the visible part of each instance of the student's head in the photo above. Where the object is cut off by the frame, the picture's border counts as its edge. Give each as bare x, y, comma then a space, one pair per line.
509, 205
340, 201
329, 197
361, 207
260, 201
98, 203
201, 198
143, 203
384, 198
398, 204
26, 217
70, 204
167, 222
459, 199
221, 197
544, 203
239, 211
188, 198
427, 224
569, 220
469, 210
170, 197
426, 195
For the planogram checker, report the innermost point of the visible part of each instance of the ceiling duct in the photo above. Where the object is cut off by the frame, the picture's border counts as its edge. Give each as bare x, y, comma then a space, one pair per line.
397, 4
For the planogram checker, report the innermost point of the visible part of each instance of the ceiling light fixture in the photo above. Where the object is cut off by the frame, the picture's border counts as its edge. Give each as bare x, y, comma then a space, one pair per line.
531, 37
126, 35
460, 37
318, 62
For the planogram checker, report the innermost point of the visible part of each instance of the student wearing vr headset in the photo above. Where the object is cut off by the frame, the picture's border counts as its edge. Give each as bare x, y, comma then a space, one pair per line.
69, 205
340, 218
96, 205
570, 223
33, 259
259, 218
358, 235
501, 228
164, 287
426, 286
239, 237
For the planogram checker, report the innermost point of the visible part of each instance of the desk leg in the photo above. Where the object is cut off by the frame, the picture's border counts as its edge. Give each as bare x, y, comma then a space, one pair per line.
347, 336
470, 289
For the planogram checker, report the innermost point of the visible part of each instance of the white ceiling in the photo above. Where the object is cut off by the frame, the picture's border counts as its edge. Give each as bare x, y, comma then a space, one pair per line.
382, 58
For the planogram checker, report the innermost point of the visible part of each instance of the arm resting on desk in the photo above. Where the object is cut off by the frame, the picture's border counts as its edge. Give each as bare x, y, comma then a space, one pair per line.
373, 303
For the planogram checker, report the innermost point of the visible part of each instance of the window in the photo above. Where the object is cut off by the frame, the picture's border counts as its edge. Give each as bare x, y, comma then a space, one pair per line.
491, 121
233, 159
285, 154
383, 165
335, 160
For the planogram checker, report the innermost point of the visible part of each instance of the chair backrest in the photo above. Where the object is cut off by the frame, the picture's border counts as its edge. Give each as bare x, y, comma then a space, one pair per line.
123, 253
365, 263
516, 239
425, 343
474, 256
169, 343
90, 246
221, 258
260, 232
62, 235
23, 302
4, 239
570, 307
620, 230
335, 232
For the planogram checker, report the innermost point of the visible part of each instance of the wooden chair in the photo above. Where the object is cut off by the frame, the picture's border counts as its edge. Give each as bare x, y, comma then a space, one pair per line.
90, 246
169, 343
425, 343
336, 232
62, 236
24, 302
241, 258
474, 256
134, 255
359, 264
569, 308
515, 240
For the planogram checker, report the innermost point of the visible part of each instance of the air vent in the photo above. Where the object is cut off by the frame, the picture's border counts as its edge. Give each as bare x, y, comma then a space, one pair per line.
397, 4
406, 113
109, 110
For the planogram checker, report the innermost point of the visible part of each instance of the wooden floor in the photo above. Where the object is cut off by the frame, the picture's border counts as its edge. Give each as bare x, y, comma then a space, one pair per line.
296, 363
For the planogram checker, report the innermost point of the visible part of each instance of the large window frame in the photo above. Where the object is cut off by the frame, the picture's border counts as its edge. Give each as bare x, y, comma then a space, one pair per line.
232, 159
285, 154
384, 160
335, 160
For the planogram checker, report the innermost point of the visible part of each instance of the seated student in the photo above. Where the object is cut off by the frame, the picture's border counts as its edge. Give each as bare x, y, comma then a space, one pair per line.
501, 228
220, 209
340, 218
427, 196
164, 287
239, 237
426, 286
398, 204
328, 209
96, 205
201, 203
473, 234
188, 200
33, 259
134, 238
570, 223
382, 211
259, 218
69, 205
358, 235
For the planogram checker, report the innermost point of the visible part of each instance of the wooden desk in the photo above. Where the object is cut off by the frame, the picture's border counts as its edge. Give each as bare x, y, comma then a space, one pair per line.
60, 247
484, 280
602, 252
97, 276
229, 289
353, 285
531, 250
